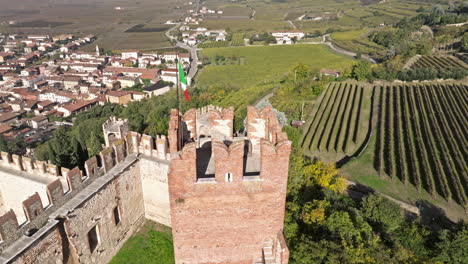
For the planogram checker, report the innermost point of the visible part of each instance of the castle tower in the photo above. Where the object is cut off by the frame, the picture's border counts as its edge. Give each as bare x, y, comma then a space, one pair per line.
114, 129
98, 53
227, 194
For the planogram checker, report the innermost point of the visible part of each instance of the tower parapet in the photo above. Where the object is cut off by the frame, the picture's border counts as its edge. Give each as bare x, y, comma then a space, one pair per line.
230, 189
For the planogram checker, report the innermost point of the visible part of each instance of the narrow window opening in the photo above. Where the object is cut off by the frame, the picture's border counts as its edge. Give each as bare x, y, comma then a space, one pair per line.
116, 215
228, 177
93, 238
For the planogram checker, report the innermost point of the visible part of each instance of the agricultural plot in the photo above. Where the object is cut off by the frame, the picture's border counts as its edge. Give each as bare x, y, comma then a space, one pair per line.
339, 123
213, 44
422, 139
265, 64
237, 39
356, 40
437, 62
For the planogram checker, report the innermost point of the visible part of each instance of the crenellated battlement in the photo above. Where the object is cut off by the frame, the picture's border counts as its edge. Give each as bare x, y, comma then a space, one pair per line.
263, 124
35, 211
214, 158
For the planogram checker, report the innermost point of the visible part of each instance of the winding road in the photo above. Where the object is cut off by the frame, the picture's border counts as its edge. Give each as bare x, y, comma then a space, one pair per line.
193, 53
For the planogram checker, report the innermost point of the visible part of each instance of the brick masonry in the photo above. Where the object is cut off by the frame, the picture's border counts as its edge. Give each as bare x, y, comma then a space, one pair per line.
229, 216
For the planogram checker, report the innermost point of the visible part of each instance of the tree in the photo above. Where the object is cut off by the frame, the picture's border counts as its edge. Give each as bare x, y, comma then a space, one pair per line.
314, 212
384, 214
301, 71
362, 71
325, 176
62, 148
3, 145
464, 42
93, 145
453, 245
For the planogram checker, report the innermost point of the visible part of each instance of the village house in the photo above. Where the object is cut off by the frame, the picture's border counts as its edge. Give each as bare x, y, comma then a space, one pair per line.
39, 121
128, 81
169, 75
4, 128
8, 118
286, 37
130, 54
157, 89
76, 107
56, 96
119, 97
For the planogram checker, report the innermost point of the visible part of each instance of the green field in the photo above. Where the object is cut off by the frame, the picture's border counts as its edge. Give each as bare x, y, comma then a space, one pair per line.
152, 244
265, 64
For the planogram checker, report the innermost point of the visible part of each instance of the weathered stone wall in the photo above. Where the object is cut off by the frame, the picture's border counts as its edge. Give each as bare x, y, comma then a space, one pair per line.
155, 189
17, 186
47, 250
3, 207
124, 192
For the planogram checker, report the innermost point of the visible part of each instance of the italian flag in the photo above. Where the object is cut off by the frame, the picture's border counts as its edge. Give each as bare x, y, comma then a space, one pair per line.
183, 81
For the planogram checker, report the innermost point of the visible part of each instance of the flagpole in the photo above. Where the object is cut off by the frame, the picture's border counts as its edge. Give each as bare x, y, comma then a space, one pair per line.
179, 132
177, 76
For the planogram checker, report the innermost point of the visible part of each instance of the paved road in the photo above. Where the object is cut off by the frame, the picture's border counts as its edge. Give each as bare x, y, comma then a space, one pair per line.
328, 41
192, 49
291, 24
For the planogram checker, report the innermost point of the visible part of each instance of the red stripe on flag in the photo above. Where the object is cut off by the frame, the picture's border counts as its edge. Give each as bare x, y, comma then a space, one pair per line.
186, 95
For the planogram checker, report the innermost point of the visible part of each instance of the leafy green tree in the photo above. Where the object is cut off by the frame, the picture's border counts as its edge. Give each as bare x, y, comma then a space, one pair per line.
94, 146
464, 42
62, 148
362, 71
381, 212
301, 71
453, 246
3, 145
17, 145
43, 153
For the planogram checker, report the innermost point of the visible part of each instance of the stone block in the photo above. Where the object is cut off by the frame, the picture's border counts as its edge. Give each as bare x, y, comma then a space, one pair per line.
33, 207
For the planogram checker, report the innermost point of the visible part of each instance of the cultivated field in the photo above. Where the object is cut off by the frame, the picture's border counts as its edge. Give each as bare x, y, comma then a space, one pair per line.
437, 62
356, 40
237, 40
338, 125
264, 64
422, 139
213, 44
95, 17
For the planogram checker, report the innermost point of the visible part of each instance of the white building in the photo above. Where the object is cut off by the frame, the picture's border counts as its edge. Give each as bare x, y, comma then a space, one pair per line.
130, 54
290, 34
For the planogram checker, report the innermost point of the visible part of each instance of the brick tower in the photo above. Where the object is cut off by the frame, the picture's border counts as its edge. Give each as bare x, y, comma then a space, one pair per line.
227, 194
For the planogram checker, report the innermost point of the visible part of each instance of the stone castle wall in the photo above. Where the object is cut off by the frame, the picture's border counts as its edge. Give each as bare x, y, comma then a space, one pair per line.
73, 216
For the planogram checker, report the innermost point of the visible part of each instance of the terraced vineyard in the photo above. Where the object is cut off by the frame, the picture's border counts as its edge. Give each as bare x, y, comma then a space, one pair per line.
437, 62
339, 123
422, 137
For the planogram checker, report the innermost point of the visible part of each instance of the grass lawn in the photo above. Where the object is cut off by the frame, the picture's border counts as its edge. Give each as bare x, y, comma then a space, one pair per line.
266, 64
151, 244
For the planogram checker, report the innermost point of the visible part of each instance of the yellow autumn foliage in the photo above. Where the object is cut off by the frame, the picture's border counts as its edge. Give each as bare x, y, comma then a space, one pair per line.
326, 176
